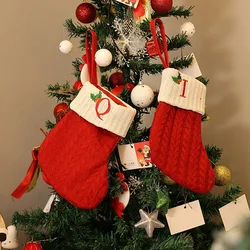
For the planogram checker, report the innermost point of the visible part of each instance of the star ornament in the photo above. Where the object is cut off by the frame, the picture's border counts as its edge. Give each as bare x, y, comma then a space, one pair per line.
149, 221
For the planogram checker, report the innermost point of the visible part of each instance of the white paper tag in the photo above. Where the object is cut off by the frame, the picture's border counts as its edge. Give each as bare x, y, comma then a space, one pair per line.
193, 69
234, 212
185, 217
49, 203
135, 156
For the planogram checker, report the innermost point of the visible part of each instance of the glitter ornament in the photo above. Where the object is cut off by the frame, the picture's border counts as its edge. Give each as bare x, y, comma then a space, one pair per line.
78, 85
188, 29
103, 57
142, 96
86, 13
222, 175
65, 46
116, 79
161, 6
149, 222
32, 246
60, 111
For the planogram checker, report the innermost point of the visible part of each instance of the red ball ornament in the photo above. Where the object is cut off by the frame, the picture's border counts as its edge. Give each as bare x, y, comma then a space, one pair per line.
60, 111
161, 6
86, 13
117, 90
116, 79
130, 86
32, 246
78, 85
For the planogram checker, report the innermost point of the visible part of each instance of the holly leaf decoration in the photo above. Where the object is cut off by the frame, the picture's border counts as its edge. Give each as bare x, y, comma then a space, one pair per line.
177, 79
97, 96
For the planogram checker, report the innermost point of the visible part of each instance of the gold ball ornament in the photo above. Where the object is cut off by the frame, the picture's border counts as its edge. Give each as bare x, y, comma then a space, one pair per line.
167, 180
222, 175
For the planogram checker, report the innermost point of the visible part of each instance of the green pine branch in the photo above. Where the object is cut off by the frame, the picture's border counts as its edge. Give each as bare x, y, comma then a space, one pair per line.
178, 41
102, 8
76, 64
49, 125
181, 63
214, 154
62, 92
202, 79
177, 11
120, 9
210, 204
74, 30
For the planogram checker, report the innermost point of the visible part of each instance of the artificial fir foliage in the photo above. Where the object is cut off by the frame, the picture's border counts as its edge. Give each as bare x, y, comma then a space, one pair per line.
69, 227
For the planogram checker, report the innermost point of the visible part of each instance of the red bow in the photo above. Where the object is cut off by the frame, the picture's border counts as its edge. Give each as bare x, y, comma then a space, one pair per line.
21, 189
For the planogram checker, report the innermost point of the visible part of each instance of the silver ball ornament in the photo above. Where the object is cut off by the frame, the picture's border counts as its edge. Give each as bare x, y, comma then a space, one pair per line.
188, 29
142, 96
103, 57
65, 46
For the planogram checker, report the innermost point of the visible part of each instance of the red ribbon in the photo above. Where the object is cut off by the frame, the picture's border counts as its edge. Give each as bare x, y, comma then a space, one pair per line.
21, 189
89, 58
165, 60
118, 207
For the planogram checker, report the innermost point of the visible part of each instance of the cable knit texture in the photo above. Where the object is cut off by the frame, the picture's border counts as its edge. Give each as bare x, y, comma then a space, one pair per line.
74, 155
176, 145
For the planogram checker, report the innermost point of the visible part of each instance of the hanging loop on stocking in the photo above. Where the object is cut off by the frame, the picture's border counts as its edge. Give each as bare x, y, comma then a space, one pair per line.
153, 24
90, 56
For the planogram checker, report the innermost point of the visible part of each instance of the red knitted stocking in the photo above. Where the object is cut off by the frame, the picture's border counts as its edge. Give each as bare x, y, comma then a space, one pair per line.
175, 135
74, 155
177, 150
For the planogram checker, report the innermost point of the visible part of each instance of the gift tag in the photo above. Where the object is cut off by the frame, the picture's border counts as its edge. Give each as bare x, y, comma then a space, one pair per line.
193, 69
51, 199
135, 156
185, 217
131, 3
234, 212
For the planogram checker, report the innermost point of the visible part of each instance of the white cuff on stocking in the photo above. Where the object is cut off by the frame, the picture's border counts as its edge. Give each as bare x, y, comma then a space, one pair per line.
99, 109
182, 91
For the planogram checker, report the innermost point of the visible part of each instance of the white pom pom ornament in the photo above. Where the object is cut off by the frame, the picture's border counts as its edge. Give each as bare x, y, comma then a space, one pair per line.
103, 57
142, 96
65, 46
188, 29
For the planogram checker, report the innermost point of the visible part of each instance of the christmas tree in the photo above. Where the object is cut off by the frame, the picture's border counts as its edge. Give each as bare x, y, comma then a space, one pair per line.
114, 181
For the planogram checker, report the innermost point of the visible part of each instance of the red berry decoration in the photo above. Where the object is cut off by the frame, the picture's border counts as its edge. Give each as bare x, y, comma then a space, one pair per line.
32, 246
161, 6
86, 13
117, 90
116, 79
60, 111
78, 85
129, 86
